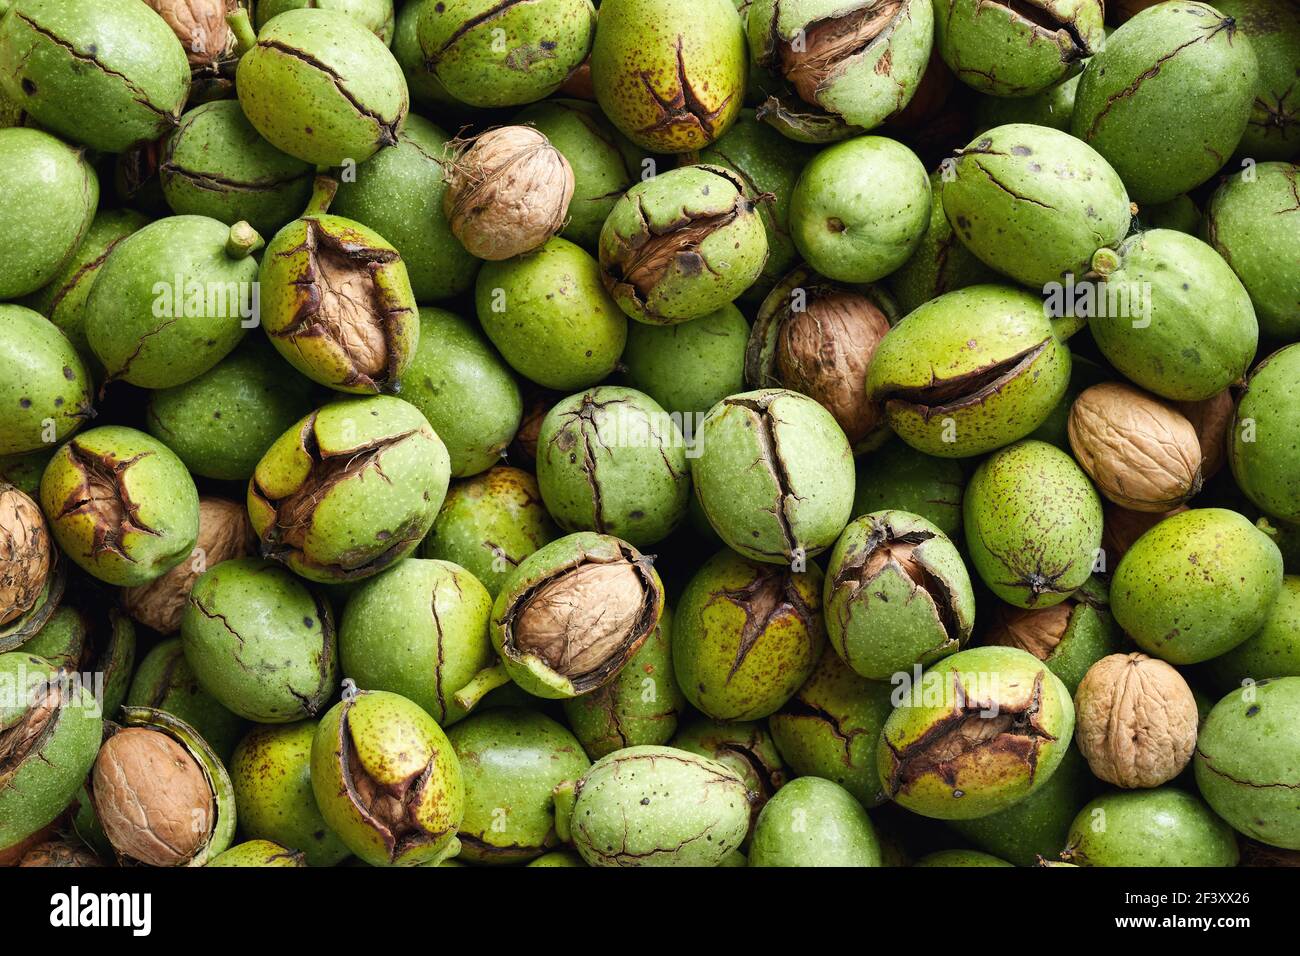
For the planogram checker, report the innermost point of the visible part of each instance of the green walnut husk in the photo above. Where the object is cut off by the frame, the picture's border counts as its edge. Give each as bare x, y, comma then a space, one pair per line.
1273, 651
860, 209
1161, 827
639, 706
1084, 373
746, 635
1247, 761
44, 387
215, 164
1254, 224
558, 858
398, 194
173, 299
611, 460
222, 422
1262, 449
120, 505
1179, 213
1035, 203
1183, 69
32, 577
743, 747
419, 630
50, 730
691, 366
109, 74
24, 471
78, 644
979, 732
670, 74
258, 853
350, 489
953, 400
834, 69
682, 244
796, 504
165, 681
426, 90
375, 15
1184, 327
512, 760
319, 86
490, 523
1196, 585
271, 774
1052, 107
48, 195
573, 613
897, 595
260, 641
960, 858
813, 822
1273, 29
387, 780
653, 806
549, 315
488, 55
831, 728
1033, 524
897, 477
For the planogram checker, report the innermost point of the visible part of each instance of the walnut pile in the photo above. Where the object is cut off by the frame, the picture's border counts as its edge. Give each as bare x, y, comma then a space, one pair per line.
25, 553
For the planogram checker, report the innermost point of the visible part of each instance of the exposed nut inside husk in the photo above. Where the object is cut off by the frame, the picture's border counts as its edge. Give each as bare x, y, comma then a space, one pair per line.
508, 191
1136, 720
827, 45
393, 809
1122, 527
21, 738
942, 396
151, 796
885, 548
1036, 630
201, 27
1140, 451
1211, 418
224, 533
60, 853
25, 553
101, 494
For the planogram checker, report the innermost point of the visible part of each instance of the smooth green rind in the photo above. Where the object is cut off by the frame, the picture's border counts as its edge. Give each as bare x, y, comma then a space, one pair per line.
1273, 651
1265, 436
165, 681
257, 853
691, 366
897, 477
1148, 828
44, 388
813, 822
375, 15
1273, 28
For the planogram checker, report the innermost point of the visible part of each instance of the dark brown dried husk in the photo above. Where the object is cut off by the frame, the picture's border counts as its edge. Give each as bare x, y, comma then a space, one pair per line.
25, 553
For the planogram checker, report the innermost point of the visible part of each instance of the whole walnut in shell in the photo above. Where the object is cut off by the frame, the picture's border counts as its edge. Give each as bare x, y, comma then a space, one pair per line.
508, 191
224, 533
25, 553
151, 796
61, 853
1136, 720
1122, 526
1142, 453
1211, 418
200, 25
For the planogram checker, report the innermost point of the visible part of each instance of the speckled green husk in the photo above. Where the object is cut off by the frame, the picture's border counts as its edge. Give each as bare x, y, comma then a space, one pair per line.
689, 367
1255, 226
258, 853
121, 547
215, 164
221, 423
165, 681
1033, 524
745, 748
398, 194
1084, 373
670, 73
24, 471
1196, 585
400, 748
42, 380
639, 706
48, 195
109, 74
37, 787
897, 477
813, 822
1179, 213
1090, 634
1035, 203
1052, 107
70, 639
260, 642
860, 209
1273, 29
746, 635
558, 858
487, 54
271, 774
1183, 69
882, 621
550, 316
654, 806
708, 271
1248, 761
1273, 651
375, 15
1189, 330
1160, 827
798, 502
1264, 448
172, 300
960, 858
320, 86
831, 728
426, 89
490, 523
512, 760
361, 519
419, 630
1017, 712
610, 460
934, 385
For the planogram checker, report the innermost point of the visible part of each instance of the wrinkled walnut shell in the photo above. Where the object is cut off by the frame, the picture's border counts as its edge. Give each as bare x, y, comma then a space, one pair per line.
1211, 418
25, 553
201, 27
1036, 630
576, 621
60, 853
1136, 720
1140, 451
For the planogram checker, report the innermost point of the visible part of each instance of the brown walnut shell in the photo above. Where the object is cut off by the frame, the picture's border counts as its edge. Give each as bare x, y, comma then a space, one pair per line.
201, 27
1211, 418
1121, 527
25, 553
60, 853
